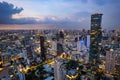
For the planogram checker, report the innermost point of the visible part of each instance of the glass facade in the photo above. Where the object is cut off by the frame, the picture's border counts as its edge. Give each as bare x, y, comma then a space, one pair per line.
96, 35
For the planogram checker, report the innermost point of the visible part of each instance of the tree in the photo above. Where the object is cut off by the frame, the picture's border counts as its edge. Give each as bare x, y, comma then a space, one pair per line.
72, 64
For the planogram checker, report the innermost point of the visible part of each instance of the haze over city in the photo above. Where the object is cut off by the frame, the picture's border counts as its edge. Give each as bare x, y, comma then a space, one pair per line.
66, 14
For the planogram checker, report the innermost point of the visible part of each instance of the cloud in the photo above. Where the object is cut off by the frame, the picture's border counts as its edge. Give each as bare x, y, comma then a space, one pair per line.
80, 15
75, 21
6, 12
67, 13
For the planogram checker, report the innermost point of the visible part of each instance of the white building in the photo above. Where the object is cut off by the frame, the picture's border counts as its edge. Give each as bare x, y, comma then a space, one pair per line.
58, 73
88, 41
81, 45
110, 61
54, 45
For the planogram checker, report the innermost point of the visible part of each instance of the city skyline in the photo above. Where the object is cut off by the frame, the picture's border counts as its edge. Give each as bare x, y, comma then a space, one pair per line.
57, 14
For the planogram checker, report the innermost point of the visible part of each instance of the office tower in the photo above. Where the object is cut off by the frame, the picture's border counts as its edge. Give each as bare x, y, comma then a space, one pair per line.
42, 45
110, 61
96, 35
60, 38
59, 48
62, 34
54, 45
58, 72
0, 59
27, 40
81, 45
88, 41
117, 65
29, 52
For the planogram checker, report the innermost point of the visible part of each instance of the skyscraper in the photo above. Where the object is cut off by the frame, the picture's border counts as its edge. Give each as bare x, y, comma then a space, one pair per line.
110, 61
57, 70
96, 35
42, 45
29, 51
60, 38
88, 41
117, 65
0, 59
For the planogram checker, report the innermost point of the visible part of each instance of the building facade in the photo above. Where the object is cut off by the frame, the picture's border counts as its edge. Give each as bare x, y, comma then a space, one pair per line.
58, 73
110, 61
60, 39
95, 36
43, 48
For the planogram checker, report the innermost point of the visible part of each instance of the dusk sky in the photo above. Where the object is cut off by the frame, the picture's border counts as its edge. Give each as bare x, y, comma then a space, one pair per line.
58, 13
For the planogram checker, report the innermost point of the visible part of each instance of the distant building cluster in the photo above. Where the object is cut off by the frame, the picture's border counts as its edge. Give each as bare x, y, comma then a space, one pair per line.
61, 54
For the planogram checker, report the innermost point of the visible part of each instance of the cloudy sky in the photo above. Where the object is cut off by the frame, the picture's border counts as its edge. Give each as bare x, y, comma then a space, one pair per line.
58, 13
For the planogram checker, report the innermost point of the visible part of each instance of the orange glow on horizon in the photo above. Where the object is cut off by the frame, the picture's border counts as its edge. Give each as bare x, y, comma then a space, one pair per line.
26, 27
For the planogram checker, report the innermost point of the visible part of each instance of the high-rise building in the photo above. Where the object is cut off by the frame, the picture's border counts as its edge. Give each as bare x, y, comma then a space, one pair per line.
95, 35
58, 70
54, 45
60, 38
81, 45
29, 51
110, 61
61, 34
0, 59
88, 41
42, 45
117, 65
